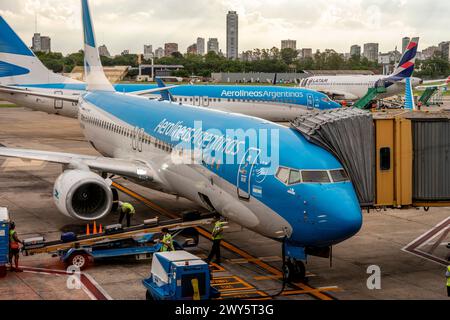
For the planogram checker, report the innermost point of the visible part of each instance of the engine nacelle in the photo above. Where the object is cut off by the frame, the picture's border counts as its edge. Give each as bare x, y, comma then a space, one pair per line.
82, 195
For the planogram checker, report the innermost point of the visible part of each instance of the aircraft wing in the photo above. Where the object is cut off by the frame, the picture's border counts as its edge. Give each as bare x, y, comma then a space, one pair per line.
122, 167
18, 90
150, 91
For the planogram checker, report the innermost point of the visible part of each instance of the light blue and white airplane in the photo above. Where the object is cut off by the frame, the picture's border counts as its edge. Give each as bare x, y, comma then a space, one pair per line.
20, 69
264, 176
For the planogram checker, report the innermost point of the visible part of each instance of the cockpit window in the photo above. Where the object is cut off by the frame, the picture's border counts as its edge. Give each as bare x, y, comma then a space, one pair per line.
316, 176
294, 177
283, 174
339, 175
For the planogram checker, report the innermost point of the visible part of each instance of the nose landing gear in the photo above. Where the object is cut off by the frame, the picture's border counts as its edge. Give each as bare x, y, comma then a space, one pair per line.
294, 270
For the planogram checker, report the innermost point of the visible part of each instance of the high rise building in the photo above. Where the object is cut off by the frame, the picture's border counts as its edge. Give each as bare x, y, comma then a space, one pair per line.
371, 51
289, 44
355, 50
192, 49
232, 35
429, 52
148, 51
306, 53
41, 43
201, 46
405, 42
170, 48
159, 53
444, 48
213, 45
103, 51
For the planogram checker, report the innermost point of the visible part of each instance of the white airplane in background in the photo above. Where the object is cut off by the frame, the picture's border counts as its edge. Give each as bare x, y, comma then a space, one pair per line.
439, 83
354, 87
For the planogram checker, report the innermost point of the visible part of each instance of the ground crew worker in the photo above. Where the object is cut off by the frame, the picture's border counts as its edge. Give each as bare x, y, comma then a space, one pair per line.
447, 274
14, 248
217, 236
126, 209
167, 241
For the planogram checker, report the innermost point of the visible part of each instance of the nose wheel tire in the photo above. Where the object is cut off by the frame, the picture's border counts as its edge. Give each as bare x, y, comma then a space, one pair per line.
294, 271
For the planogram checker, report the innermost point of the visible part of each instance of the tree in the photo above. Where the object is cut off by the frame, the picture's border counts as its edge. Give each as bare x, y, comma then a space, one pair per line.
288, 55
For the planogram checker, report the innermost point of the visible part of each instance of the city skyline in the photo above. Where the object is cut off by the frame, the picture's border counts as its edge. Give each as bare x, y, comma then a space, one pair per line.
316, 27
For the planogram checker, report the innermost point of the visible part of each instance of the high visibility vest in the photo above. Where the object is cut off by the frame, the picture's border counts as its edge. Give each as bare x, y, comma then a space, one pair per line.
11, 236
217, 231
447, 274
167, 243
128, 206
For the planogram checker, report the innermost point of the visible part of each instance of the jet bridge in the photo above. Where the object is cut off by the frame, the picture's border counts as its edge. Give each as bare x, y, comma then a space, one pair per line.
395, 158
349, 135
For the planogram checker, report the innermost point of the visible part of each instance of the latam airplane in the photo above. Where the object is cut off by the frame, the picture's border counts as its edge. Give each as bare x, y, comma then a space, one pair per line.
21, 70
354, 87
264, 176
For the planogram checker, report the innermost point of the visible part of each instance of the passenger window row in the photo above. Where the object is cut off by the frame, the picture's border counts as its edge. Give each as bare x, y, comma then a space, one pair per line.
290, 176
128, 133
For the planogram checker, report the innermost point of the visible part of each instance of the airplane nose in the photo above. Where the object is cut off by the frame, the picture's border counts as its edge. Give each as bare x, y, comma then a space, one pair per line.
341, 217
335, 105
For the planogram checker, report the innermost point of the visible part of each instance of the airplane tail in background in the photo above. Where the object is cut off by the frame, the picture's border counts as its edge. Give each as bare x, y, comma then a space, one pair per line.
19, 65
406, 65
95, 76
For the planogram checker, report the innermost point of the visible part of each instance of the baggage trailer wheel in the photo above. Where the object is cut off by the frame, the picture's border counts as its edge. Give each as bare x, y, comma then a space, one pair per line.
79, 260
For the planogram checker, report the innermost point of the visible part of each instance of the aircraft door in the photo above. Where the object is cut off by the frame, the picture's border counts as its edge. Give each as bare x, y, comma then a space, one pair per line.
140, 139
197, 101
59, 103
310, 101
245, 173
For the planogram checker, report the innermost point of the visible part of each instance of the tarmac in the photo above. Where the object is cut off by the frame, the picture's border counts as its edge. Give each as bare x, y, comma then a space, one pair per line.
408, 246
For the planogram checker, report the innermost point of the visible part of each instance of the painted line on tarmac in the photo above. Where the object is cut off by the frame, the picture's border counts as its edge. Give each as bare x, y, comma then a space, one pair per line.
413, 246
314, 292
89, 285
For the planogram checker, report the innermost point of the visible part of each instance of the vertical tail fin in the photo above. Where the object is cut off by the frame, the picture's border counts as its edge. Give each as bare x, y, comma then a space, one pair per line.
409, 97
19, 65
95, 76
406, 65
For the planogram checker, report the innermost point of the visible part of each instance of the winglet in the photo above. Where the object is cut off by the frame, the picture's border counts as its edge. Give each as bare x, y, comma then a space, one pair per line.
165, 94
95, 77
409, 97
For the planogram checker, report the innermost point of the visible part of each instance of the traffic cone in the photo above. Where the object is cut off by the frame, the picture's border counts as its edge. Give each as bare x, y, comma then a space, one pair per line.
95, 228
87, 229
100, 230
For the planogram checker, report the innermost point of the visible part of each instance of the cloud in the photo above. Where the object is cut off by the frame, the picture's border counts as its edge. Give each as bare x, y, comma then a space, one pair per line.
129, 24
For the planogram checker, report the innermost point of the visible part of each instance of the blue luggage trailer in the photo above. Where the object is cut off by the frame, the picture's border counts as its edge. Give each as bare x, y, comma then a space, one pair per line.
4, 241
179, 275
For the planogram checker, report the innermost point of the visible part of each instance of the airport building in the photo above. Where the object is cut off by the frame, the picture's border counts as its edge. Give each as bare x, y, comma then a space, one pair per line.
170, 48
213, 45
289, 44
41, 43
201, 46
232, 35
371, 51
355, 50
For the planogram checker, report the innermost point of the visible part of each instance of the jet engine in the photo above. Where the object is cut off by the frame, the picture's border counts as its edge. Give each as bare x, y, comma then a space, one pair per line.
82, 195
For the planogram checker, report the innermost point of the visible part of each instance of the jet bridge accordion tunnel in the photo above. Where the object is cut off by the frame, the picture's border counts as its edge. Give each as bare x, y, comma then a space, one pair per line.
395, 158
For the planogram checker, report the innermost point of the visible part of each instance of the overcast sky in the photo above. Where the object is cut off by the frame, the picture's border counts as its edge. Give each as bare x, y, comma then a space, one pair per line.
318, 24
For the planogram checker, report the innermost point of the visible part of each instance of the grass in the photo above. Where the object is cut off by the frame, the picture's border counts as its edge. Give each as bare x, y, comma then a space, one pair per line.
7, 105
